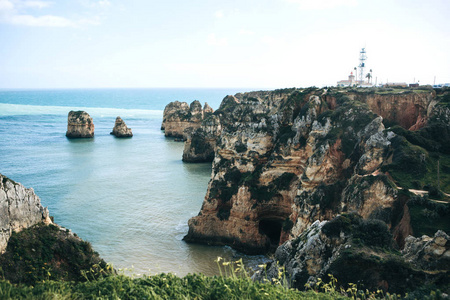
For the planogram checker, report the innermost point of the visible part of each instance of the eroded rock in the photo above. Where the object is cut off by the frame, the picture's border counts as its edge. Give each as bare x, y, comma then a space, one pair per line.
361, 252
79, 125
120, 129
20, 208
179, 117
284, 159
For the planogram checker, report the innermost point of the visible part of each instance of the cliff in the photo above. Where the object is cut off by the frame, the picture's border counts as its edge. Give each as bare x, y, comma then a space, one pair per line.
287, 161
178, 117
362, 252
121, 129
33, 248
284, 159
79, 125
20, 208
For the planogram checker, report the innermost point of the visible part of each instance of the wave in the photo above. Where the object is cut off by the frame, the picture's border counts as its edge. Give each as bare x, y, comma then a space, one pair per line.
23, 109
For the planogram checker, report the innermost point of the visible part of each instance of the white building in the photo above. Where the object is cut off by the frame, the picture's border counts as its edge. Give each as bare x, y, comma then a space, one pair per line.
350, 82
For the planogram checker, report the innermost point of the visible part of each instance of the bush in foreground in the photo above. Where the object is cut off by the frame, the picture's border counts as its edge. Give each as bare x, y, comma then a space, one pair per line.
162, 286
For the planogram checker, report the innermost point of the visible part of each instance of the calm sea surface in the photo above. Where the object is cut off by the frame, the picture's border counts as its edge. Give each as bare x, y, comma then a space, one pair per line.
131, 198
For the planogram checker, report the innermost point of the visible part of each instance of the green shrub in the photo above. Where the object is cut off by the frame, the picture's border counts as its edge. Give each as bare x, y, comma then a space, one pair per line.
373, 232
45, 252
334, 227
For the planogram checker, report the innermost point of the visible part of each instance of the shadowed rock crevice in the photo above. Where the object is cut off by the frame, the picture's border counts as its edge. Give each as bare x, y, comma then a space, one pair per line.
272, 229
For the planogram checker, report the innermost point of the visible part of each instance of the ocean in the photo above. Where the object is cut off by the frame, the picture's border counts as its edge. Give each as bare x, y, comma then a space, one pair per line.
130, 198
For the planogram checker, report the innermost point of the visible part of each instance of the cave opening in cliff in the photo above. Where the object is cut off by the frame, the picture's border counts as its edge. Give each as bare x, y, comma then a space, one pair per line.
272, 229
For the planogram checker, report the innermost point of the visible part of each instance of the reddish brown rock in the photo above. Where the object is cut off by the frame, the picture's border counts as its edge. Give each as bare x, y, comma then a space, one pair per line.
121, 129
287, 158
179, 117
79, 125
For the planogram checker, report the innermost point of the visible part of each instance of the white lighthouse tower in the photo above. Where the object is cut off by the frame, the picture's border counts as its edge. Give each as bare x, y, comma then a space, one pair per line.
362, 65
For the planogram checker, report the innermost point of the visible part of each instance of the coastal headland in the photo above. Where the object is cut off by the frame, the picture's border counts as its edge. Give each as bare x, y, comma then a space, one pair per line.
288, 161
335, 184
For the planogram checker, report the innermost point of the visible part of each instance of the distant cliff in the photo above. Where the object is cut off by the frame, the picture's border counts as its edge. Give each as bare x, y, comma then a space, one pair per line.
178, 117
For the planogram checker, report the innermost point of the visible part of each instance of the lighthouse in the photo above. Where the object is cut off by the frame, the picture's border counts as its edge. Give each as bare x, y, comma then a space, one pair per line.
362, 65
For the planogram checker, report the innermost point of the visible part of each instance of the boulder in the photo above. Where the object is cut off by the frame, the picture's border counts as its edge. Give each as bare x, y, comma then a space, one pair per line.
79, 125
120, 129
429, 253
362, 252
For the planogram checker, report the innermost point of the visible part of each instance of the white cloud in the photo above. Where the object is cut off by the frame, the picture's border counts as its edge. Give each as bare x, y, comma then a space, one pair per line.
246, 32
215, 41
95, 3
6, 6
41, 21
35, 4
219, 14
322, 4
18, 13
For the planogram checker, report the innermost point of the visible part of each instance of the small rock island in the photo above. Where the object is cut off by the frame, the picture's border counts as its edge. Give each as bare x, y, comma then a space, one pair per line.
121, 129
79, 125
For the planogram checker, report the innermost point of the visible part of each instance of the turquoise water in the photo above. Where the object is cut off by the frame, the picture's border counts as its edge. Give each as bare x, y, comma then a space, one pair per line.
131, 198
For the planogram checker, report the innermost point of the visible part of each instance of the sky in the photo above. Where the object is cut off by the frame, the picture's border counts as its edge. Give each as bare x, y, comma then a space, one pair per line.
211, 43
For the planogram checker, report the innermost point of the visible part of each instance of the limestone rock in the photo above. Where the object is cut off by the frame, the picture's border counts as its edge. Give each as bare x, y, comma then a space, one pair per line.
429, 253
120, 129
207, 110
179, 117
79, 125
329, 247
20, 208
39, 242
284, 159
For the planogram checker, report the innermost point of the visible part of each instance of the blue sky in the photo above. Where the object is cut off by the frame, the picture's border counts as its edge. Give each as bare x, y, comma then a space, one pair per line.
208, 43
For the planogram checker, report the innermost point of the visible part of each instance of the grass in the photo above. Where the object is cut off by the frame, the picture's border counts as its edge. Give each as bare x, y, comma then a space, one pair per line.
234, 284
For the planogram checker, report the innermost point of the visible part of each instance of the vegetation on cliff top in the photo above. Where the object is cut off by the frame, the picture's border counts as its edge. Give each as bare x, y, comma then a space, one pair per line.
44, 252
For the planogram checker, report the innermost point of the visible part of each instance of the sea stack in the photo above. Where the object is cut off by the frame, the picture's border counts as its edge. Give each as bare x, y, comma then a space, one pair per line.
179, 118
79, 125
120, 129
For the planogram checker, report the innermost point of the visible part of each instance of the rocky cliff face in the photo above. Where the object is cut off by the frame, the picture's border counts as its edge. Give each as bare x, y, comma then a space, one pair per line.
409, 108
360, 251
179, 117
33, 248
121, 129
284, 159
79, 125
20, 208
